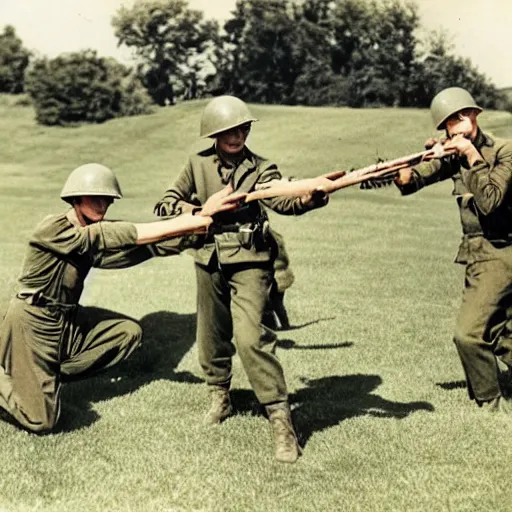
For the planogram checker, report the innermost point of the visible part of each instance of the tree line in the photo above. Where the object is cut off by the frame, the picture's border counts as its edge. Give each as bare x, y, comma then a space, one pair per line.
356, 53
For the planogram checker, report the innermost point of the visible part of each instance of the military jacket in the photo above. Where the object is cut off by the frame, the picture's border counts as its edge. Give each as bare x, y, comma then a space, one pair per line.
61, 253
237, 236
483, 193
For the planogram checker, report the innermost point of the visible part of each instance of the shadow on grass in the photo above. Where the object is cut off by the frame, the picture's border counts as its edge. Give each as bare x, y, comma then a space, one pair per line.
290, 344
328, 401
306, 324
167, 338
457, 384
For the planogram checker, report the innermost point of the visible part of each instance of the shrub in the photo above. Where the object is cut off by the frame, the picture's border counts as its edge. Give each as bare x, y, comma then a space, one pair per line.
82, 87
23, 100
14, 59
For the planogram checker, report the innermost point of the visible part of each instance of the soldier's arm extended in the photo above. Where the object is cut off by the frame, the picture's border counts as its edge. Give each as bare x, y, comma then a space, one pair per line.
287, 205
63, 235
164, 238
490, 182
130, 257
177, 198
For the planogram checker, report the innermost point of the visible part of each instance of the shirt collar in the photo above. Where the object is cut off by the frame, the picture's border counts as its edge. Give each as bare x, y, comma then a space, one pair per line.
482, 139
245, 155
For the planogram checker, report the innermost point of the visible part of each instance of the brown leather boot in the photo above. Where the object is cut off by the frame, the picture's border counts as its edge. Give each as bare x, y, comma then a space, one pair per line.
220, 407
285, 440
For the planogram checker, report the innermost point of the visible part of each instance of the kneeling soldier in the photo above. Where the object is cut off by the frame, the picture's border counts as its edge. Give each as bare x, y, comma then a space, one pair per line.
45, 335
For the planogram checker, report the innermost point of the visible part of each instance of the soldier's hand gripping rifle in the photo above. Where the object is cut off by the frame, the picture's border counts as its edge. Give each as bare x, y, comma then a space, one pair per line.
330, 182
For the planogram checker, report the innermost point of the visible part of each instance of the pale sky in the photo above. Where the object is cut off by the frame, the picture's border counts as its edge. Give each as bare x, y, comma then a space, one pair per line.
481, 30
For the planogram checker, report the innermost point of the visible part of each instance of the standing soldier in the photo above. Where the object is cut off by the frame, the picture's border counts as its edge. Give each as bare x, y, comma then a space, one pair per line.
234, 267
45, 335
481, 171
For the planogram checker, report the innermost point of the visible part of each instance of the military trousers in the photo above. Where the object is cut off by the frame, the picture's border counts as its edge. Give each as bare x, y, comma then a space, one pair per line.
483, 326
230, 304
39, 346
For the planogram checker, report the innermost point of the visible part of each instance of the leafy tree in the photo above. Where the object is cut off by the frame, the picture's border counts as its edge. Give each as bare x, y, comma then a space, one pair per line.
169, 39
266, 46
374, 47
347, 51
14, 59
318, 85
338, 52
82, 87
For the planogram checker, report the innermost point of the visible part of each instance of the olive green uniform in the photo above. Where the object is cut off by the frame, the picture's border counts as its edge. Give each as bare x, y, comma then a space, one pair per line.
484, 197
45, 334
234, 268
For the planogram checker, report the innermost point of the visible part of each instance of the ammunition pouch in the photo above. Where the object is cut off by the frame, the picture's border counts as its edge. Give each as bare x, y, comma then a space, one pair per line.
236, 243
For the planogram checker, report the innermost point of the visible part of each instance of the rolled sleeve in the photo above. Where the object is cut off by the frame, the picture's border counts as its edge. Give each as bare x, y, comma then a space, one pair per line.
116, 235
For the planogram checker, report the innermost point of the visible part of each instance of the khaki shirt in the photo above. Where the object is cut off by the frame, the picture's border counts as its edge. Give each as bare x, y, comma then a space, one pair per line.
203, 175
61, 252
483, 193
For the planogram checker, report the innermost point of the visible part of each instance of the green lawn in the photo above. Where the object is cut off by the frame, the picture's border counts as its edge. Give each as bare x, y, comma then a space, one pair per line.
378, 391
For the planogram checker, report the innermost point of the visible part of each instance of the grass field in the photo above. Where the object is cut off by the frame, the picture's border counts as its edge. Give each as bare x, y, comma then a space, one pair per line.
378, 392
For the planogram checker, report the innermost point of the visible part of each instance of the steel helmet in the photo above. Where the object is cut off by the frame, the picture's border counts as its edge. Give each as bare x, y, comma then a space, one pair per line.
448, 102
91, 180
223, 113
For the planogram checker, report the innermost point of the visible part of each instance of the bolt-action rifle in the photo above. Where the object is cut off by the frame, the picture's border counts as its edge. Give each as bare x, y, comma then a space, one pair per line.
330, 182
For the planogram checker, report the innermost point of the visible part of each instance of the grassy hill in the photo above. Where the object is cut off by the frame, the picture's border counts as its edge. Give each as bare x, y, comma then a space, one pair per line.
377, 388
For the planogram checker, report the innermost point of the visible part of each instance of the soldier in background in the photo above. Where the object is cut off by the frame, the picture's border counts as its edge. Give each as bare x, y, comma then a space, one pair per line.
234, 267
275, 315
481, 171
45, 335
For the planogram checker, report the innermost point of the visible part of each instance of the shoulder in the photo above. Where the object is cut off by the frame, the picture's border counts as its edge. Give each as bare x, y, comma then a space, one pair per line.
58, 233
255, 158
204, 157
53, 224
497, 144
208, 152
263, 164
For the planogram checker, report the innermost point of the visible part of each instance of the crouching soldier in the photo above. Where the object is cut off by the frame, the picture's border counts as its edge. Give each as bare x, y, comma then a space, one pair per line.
234, 267
481, 170
45, 335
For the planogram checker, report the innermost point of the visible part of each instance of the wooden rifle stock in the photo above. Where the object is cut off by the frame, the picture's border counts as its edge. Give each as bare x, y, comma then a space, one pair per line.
336, 180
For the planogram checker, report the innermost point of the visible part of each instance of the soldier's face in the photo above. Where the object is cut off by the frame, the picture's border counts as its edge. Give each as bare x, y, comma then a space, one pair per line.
463, 122
233, 141
94, 208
